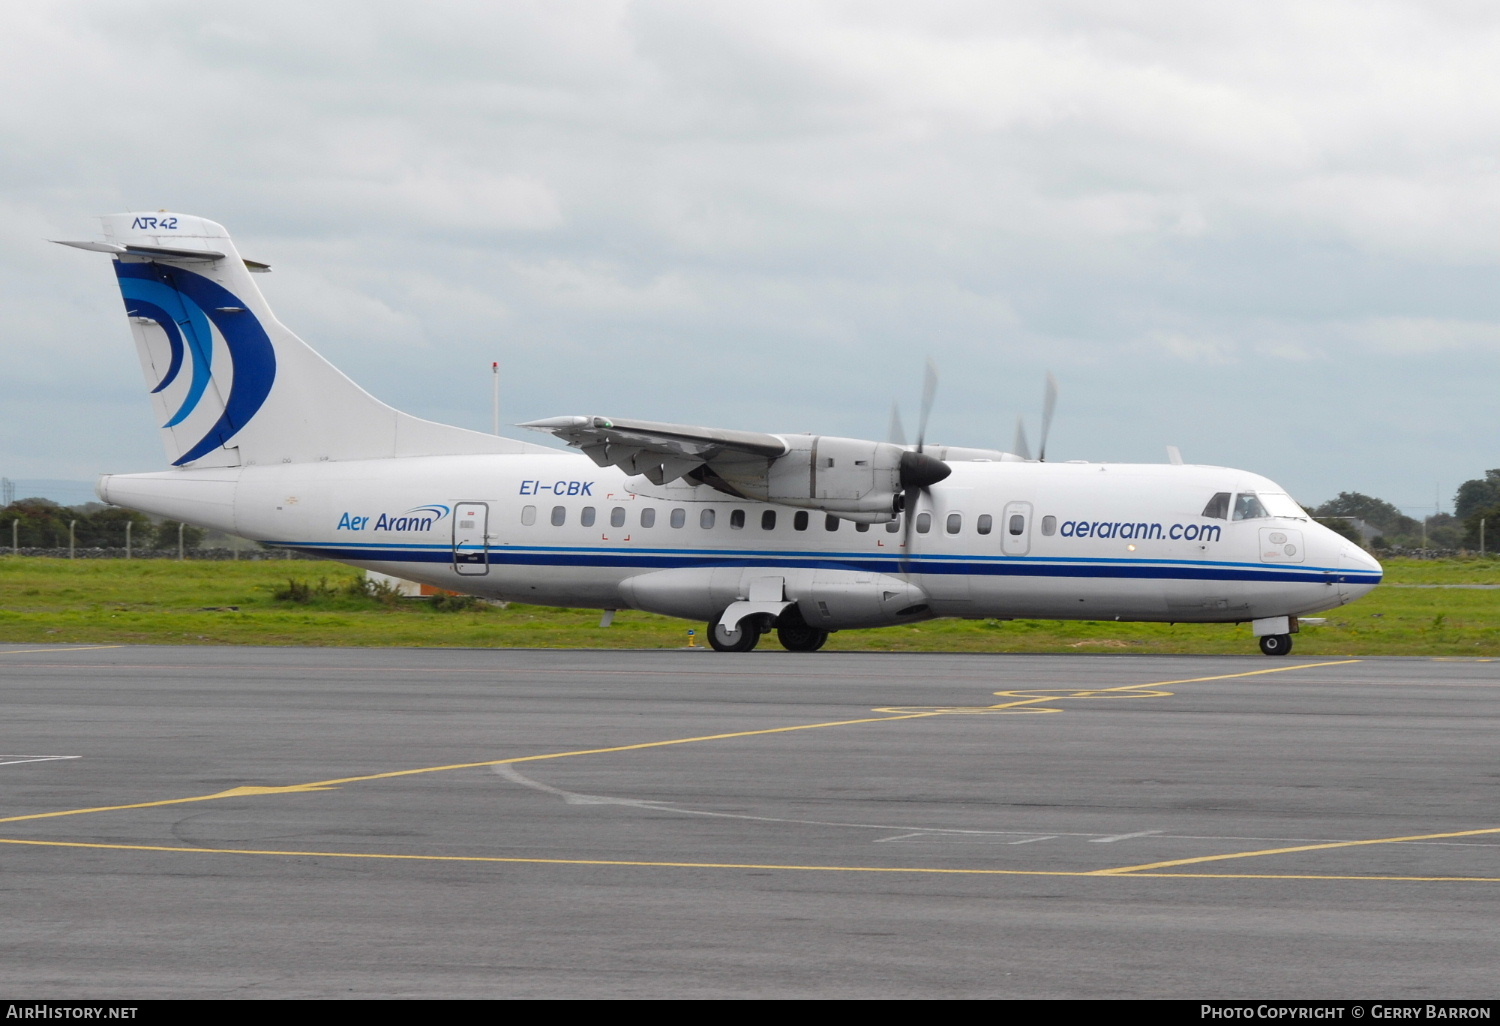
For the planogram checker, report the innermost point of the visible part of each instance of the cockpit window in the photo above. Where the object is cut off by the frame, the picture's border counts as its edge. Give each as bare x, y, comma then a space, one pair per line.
1218, 507
1280, 504
1247, 507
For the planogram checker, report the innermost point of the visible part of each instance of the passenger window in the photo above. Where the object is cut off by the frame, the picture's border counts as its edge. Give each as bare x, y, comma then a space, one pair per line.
528, 515
893, 526
679, 517
768, 520
924, 523
955, 522
1218, 507
736, 520
706, 519
617, 517
586, 516
861, 527
648, 516
1248, 507
1017, 524
1049, 526
830, 523
984, 524
799, 520
559, 515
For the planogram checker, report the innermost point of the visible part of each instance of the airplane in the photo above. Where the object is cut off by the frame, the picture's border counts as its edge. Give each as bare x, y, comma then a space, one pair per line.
742, 530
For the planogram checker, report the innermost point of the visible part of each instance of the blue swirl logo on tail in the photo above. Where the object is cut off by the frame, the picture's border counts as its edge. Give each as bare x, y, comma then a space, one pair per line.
185, 304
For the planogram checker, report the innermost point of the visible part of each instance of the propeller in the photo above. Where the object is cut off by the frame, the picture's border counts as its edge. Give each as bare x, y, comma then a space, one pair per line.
918, 471
1049, 407
897, 433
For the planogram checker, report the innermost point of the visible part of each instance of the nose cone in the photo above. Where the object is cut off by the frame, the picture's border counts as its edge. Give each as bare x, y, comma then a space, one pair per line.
1358, 572
918, 470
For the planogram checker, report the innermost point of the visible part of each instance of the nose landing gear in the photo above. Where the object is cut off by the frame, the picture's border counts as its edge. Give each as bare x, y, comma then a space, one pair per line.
1276, 644
1275, 633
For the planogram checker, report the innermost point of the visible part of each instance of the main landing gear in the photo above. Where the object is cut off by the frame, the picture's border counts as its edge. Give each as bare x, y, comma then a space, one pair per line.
794, 633
743, 639
1276, 644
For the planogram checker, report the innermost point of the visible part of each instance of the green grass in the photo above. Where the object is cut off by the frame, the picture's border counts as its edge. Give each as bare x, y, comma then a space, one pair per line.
90, 601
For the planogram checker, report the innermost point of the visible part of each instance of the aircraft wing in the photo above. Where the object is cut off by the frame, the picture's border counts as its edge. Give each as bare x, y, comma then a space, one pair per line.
661, 452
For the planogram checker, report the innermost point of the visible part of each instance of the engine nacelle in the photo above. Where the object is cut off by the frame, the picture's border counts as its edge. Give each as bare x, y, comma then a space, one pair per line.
850, 477
827, 599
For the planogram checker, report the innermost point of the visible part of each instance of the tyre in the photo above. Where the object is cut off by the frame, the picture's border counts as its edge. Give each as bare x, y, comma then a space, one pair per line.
742, 640
1276, 644
799, 637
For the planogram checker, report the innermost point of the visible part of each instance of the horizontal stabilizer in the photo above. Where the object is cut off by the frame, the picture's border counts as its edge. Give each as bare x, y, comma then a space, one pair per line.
189, 256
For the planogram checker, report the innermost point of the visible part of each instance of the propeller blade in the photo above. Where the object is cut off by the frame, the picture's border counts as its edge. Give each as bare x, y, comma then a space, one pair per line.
898, 432
1021, 449
918, 470
910, 501
1049, 405
929, 392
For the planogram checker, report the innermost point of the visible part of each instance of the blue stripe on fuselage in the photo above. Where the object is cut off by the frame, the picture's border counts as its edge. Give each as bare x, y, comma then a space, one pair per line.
978, 566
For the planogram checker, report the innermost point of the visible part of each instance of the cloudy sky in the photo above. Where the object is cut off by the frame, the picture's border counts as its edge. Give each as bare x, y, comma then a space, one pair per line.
1268, 234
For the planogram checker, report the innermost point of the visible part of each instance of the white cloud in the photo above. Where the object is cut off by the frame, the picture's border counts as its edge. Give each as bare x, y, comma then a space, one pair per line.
773, 212
598, 286
1423, 336
1194, 348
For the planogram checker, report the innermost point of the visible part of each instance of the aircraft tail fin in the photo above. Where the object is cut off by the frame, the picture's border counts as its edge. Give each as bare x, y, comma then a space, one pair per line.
230, 384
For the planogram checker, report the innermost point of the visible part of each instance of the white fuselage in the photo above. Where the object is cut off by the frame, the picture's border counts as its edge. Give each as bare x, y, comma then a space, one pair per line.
274, 443
1002, 539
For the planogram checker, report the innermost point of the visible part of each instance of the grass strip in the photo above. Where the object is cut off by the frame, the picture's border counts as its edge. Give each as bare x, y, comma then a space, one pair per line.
166, 602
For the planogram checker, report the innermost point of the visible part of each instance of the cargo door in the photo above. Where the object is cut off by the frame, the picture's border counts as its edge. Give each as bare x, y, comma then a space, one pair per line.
471, 551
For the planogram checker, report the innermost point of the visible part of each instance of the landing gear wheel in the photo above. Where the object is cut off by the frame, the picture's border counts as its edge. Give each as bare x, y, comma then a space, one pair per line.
742, 640
799, 637
1276, 644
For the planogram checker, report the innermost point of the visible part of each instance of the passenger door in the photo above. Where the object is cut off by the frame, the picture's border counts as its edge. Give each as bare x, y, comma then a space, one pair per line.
471, 552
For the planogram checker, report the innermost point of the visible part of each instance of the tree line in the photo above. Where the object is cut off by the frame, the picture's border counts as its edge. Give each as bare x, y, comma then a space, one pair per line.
1476, 500
44, 524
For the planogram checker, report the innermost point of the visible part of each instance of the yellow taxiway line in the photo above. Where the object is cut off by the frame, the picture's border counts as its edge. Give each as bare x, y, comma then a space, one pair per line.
1120, 870
1022, 698
321, 785
779, 866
